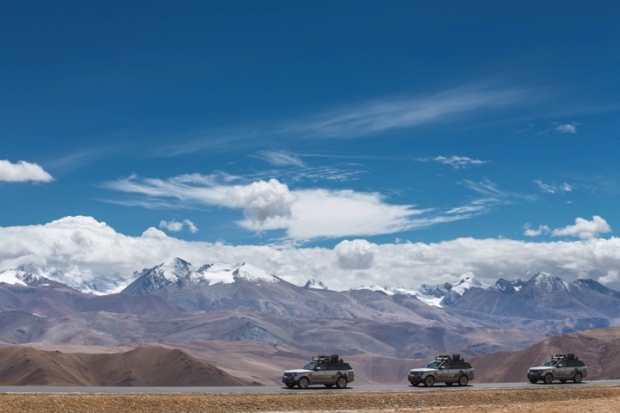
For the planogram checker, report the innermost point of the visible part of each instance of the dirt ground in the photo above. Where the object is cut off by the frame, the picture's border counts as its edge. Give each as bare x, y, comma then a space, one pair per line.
548, 400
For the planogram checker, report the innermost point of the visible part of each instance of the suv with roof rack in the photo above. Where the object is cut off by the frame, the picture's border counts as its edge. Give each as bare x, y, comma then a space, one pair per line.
561, 367
325, 370
446, 369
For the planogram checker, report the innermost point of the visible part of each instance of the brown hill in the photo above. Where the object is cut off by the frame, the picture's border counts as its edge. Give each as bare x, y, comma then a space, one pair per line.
148, 366
599, 349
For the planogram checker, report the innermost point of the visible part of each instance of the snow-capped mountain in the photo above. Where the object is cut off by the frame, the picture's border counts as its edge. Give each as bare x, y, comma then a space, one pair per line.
182, 273
433, 294
21, 276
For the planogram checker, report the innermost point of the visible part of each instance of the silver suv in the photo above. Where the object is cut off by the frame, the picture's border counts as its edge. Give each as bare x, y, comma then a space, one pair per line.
446, 369
561, 367
326, 370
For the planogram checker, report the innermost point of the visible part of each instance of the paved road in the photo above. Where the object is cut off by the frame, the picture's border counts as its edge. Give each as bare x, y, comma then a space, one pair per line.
277, 389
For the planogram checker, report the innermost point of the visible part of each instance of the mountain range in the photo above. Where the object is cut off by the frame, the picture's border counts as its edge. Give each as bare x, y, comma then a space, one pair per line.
175, 303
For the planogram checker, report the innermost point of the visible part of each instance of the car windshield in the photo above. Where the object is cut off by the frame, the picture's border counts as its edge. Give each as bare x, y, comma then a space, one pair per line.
310, 366
433, 365
550, 363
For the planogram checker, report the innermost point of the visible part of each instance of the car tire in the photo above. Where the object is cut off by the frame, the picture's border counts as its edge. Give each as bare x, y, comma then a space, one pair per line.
341, 383
578, 377
449, 383
533, 381
290, 386
463, 380
429, 381
303, 383
415, 383
329, 386
548, 378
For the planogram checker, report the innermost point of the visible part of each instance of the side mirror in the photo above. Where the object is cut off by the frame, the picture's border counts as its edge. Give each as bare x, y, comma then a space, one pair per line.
318, 368
441, 368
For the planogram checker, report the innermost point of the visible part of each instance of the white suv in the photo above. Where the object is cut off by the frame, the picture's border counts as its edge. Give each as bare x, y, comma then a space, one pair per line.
446, 369
561, 367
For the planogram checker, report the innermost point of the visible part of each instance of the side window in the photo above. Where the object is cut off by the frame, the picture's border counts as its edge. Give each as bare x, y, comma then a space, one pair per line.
466, 365
447, 365
571, 363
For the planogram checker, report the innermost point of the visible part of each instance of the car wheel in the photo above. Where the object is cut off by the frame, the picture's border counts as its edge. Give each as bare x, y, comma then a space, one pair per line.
341, 383
563, 381
533, 381
303, 383
463, 380
329, 386
429, 381
578, 377
415, 383
290, 386
548, 378
449, 383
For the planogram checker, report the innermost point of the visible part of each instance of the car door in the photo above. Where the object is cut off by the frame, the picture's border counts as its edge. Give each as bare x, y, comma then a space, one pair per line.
562, 370
320, 373
444, 371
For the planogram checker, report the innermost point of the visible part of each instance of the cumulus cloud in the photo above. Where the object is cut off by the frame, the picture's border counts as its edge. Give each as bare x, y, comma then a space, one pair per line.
542, 229
584, 229
355, 255
459, 162
85, 250
611, 277
22, 172
566, 128
175, 226
281, 158
303, 214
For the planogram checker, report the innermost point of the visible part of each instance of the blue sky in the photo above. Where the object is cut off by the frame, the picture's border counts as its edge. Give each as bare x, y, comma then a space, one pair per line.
313, 122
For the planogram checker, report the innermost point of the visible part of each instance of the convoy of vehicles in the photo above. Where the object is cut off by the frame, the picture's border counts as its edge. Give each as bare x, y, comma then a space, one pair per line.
333, 371
325, 370
561, 367
444, 369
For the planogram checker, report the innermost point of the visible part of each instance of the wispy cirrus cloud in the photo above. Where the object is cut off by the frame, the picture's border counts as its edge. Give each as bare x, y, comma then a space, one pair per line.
384, 115
459, 162
552, 188
280, 158
23, 171
372, 117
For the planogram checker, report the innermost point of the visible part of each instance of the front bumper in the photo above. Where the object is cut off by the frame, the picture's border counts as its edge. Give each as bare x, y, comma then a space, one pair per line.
289, 379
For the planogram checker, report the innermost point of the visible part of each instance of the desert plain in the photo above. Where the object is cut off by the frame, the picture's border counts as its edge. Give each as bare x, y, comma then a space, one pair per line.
581, 398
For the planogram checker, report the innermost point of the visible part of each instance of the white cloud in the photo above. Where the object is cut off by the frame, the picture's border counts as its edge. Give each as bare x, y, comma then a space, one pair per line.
22, 172
303, 214
459, 162
553, 188
584, 229
175, 226
85, 249
358, 254
566, 128
542, 229
611, 277
280, 158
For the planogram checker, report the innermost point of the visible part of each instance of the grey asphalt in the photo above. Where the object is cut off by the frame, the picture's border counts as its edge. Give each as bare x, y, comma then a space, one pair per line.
276, 389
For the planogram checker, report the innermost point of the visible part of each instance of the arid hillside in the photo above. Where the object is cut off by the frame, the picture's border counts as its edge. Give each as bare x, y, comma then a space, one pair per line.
151, 366
598, 348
